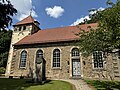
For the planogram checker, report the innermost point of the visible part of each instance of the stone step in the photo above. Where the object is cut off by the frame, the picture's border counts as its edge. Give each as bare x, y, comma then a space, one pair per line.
76, 78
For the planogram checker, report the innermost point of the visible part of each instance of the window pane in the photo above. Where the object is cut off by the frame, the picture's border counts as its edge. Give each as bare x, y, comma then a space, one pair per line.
75, 52
98, 61
56, 58
23, 59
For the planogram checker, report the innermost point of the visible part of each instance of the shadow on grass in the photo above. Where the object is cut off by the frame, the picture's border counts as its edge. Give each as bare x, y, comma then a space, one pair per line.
103, 85
19, 84
30, 81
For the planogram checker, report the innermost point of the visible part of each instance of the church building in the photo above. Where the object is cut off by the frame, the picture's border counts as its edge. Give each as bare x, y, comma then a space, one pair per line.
56, 49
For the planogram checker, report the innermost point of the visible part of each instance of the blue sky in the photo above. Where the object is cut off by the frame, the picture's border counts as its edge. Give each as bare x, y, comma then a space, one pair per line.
56, 13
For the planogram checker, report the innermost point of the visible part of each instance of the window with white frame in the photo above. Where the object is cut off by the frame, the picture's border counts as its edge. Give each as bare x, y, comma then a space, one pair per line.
56, 58
75, 52
98, 59
23, 58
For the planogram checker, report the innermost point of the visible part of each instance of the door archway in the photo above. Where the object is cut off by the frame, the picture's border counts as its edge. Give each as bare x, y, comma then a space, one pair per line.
75, 56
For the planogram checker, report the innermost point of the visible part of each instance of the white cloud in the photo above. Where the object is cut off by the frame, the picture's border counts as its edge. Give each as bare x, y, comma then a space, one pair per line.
24, 8
55, 12
80, 20
99, 9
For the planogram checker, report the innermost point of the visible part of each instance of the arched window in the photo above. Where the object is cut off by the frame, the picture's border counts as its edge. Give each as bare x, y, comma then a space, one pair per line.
23, 59
24, 27
39, 54
56, 58
75, 52
98, 59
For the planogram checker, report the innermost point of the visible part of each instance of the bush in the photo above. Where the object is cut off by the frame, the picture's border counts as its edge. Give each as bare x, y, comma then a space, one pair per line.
2, 70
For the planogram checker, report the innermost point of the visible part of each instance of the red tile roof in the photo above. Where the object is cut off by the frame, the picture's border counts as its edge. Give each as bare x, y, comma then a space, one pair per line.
26, 20
54, 35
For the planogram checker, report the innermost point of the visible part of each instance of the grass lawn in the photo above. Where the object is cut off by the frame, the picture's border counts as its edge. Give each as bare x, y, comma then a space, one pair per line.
21, 84
101, 85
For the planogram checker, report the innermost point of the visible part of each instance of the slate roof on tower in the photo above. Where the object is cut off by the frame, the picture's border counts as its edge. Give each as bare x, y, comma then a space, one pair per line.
61, 34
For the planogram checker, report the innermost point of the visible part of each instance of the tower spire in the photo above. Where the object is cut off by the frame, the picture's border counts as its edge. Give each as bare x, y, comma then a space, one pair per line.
31, 11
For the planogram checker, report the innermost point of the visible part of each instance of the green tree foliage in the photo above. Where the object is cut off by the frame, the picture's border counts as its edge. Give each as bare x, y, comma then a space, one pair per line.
107, 35
6, 12
2, 70
5, 39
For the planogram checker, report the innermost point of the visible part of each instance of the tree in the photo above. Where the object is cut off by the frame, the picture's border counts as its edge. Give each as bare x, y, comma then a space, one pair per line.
5, 39
6, 12
107, 35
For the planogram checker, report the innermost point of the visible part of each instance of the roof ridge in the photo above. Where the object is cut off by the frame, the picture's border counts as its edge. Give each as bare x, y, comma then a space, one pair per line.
67, 26
58, 27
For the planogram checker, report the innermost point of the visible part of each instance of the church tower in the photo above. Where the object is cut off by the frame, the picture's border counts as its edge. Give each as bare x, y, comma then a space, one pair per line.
25, 27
